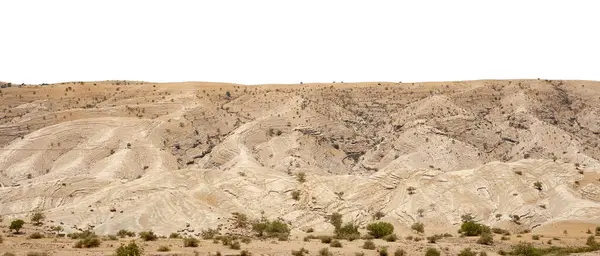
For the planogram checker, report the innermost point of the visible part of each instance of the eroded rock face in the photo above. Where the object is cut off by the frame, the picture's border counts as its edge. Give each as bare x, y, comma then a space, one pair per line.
185, 156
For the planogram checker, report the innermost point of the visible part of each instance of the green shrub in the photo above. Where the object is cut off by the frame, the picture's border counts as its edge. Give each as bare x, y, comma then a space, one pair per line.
325, 252
336, 220
296, 195
369, 245
163, 248
235, 245
268, 228
432, 252
148, 236
190, 242
37, 218
380, 229
535, 237
301, 252
174, 236
335, 243
500, 231
400, 252
390, 238
348, 231
36, 235
471, 228
418, 227
591, 241
81, 235
16, 225
246, 240
301, 177
125, 233
467, 252
88, 242
132, 249
325, 239
383, 251
486, 238
209, 233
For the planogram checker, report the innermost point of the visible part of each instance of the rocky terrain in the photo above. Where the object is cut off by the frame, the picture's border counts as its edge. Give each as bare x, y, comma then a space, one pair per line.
182, 157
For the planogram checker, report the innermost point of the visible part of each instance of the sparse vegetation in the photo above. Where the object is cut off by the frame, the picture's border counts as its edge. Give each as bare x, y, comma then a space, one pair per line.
148, 236
380, 229
296, 195
125, 233
36, 235
275, 228
325, 252
335, 243
418, 227
209, 233
163, 248
131, 249
537, 185
486, 239
467, 252
369, 245
174, 236
432, 252
190, 242
300, 252
400, 252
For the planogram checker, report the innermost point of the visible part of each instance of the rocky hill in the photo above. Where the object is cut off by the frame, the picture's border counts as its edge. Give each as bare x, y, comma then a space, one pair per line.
185, 156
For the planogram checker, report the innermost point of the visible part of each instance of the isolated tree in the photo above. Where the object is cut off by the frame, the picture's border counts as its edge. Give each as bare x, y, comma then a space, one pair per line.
37, 218
16, 225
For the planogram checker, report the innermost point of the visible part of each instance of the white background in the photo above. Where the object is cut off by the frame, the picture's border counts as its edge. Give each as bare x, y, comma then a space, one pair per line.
283, 41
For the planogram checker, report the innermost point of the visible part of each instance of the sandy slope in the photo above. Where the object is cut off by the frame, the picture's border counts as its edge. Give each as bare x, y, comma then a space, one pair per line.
135, 155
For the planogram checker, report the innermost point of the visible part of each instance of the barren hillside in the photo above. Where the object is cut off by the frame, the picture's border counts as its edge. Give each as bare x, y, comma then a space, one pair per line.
138, 155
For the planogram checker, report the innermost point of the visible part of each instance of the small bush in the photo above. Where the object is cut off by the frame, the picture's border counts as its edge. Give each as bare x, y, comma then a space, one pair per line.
500, 231
36, 235
467, 252
235, 245
209, 233
535, 237
335, 243
245, 253
112, 237
591, 241
88, 242
432, 252
132, 249
246, 240
472, 228
148, 236
597, 231
369, 245
174, 236
504, 238
418, 227
301, 252
325, 252
125, 233
296, 195
380, 229
301, 177
190, 242
390, 238
349, 232
400, 252
310, 230
359, 254
9, 254
432, 239
383, 251
163, 248
1, 239
486, 239
325, 239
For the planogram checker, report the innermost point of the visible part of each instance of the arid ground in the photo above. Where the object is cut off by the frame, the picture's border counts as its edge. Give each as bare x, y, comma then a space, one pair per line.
518, 155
